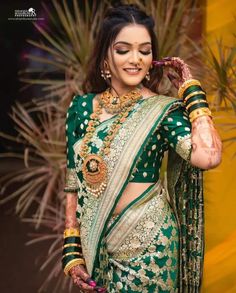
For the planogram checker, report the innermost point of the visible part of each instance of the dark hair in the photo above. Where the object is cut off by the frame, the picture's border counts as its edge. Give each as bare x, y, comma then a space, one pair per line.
115, 19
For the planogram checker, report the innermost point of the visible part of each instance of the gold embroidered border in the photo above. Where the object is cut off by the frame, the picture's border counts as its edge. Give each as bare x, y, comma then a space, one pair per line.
184, 146
71, 182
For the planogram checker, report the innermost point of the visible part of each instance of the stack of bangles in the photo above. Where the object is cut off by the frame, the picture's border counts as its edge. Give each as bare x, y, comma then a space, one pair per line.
194, 98
72, 250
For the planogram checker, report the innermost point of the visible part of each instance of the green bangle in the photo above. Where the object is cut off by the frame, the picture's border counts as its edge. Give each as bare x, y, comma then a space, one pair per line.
71, 249
72, 239
194, 98
191, 89
197, 106
67, 259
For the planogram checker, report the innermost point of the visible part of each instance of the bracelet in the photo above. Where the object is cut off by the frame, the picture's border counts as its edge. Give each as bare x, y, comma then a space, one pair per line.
71, 232
191, 89
193, 94
199, 112
195, 102
198, 106
71, 245
187, 84
72, 253
71, 249
196, 97
73, 263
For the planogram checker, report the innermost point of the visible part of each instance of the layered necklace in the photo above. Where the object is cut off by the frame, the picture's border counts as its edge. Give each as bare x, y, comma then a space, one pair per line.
94, 167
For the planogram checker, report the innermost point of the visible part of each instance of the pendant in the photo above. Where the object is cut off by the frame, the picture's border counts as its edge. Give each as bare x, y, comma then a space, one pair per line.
94, 171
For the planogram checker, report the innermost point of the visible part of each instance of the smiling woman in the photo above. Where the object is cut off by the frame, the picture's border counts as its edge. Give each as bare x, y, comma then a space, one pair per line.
130, 58
125, 231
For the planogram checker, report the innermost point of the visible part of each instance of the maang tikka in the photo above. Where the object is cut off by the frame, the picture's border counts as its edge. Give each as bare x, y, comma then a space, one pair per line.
106, 73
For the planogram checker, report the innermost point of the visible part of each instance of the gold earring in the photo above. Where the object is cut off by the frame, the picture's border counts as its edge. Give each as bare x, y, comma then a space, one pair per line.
147, 76
106, 73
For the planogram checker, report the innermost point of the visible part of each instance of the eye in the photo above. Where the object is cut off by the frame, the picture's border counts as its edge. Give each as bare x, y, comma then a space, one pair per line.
146, 52
122, 52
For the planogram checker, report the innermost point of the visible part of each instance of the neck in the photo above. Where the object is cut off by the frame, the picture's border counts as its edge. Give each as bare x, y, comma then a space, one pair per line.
124, 90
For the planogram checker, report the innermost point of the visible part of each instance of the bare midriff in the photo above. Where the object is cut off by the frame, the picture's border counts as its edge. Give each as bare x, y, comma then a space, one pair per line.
131, 192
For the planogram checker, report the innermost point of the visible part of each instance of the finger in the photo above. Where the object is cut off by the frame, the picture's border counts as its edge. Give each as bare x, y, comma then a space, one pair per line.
81, 273
85, 286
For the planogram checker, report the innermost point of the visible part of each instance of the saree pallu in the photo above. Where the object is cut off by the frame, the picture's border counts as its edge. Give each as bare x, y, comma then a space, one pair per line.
177, 235
143, 244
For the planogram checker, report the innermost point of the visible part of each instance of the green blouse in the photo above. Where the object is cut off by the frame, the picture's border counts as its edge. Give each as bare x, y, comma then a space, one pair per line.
174, 132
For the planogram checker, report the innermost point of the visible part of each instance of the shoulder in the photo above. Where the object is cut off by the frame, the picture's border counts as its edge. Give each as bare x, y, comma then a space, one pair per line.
78, 101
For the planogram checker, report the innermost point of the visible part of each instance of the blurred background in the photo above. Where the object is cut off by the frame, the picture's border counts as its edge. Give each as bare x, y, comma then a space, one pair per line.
44, 55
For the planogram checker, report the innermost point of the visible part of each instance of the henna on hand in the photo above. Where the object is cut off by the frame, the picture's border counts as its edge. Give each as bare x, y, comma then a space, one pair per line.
71, 206
179, 66
206, 144
80, 277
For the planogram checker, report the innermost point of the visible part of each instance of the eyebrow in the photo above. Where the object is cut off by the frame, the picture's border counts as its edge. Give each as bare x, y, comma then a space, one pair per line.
129, 44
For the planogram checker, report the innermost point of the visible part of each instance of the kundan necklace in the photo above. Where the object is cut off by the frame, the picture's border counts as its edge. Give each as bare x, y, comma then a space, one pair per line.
94, 167
115, 104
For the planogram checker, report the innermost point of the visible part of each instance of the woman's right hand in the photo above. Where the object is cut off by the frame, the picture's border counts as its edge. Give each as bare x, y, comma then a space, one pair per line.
81, 278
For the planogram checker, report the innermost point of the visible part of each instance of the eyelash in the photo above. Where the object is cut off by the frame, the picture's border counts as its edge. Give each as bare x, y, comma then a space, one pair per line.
121, 52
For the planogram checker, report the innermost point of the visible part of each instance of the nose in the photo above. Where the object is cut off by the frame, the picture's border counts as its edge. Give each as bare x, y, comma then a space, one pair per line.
135, 58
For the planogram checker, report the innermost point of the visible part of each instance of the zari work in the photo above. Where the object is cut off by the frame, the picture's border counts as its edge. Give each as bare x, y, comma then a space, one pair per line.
163, 250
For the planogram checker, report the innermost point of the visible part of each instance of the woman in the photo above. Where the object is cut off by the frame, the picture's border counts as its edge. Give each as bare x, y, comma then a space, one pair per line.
125, 232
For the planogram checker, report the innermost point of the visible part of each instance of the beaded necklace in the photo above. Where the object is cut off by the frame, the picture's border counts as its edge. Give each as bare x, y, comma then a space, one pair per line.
94, 167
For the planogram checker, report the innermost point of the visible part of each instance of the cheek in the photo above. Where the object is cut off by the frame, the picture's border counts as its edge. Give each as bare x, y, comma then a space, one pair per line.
117, 64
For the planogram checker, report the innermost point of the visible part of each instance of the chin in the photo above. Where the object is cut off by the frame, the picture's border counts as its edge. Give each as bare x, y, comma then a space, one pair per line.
133, 82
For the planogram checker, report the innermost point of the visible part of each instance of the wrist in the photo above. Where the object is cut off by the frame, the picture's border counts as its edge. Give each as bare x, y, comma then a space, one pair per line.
72, 249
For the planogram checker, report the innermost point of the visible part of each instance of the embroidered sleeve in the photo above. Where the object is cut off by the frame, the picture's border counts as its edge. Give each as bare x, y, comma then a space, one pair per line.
71, 182
176, 130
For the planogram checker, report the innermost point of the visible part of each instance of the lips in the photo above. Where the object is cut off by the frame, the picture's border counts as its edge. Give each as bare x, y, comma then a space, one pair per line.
132, 71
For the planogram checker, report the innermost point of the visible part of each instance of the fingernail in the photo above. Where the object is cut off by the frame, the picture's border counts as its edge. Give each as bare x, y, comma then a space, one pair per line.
91, 282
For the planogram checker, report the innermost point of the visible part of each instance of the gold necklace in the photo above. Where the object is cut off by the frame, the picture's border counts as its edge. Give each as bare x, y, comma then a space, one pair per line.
115, 104
94, 167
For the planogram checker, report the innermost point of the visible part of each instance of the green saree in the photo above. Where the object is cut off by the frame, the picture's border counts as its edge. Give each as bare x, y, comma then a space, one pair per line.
156, 243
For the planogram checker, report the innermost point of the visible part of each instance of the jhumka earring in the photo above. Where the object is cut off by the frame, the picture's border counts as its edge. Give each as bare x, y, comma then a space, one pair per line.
147, 76
106, 73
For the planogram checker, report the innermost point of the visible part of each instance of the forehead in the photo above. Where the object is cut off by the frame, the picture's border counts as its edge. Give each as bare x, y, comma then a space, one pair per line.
133, 34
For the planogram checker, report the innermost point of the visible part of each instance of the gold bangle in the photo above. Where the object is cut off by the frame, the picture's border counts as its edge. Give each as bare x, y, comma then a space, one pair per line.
187, 84
200, 115
73, 252
71, 232
71, 245
194, 94
199, 112
195, 102
73, 263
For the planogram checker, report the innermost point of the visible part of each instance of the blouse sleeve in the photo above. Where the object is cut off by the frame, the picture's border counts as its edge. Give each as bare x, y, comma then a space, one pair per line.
71, 182
176, 130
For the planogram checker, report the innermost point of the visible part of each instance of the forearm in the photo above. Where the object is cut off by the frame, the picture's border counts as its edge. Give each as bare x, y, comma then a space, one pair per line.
206, 144
71, 206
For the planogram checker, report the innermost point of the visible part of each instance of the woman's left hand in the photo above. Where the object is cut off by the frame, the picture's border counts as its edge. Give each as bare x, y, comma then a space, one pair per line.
179, 66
